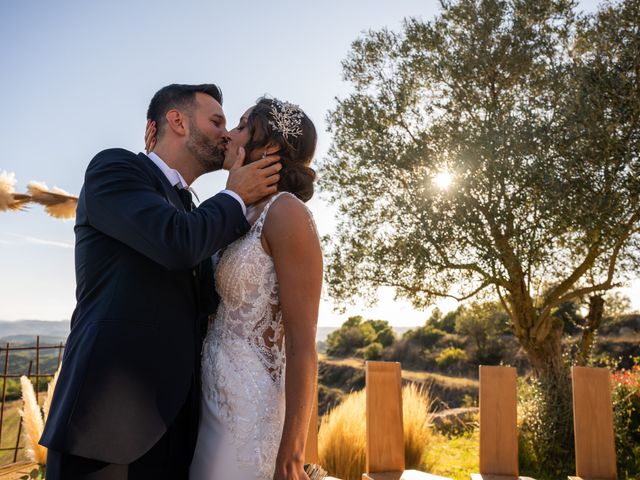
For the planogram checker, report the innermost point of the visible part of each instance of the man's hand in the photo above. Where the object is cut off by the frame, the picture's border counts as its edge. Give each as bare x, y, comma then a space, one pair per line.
254, 181
150, 136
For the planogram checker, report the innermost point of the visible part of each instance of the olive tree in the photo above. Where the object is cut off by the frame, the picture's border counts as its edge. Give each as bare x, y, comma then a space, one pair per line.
491, 151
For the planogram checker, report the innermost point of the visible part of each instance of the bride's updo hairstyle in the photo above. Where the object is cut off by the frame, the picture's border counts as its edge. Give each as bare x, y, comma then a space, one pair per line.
274, 121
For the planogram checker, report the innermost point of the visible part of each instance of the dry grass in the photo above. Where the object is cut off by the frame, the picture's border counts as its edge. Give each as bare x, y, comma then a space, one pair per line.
10, 424
342, 436
411, 375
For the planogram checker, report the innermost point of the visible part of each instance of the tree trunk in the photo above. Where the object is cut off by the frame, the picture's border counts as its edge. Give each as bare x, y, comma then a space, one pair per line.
546, 356
553, 422
593, 322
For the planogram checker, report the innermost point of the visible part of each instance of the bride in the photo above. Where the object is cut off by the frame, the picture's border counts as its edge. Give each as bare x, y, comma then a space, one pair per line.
259, 359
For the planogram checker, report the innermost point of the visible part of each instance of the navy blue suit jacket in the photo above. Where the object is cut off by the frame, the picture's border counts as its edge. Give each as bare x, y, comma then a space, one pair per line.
142, 298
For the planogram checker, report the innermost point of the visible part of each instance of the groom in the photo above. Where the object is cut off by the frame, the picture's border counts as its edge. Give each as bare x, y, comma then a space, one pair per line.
125, 406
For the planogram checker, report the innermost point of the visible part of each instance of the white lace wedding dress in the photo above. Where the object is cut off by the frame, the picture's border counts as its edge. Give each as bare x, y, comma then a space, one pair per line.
243, 362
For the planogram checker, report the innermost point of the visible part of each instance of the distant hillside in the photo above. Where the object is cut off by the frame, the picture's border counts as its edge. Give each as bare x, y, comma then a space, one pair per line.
25, 331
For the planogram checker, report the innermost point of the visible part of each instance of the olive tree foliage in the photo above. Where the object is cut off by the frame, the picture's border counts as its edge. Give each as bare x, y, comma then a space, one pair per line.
534, 111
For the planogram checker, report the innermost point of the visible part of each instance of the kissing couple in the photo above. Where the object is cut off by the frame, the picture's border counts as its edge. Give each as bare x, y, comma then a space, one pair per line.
149, 387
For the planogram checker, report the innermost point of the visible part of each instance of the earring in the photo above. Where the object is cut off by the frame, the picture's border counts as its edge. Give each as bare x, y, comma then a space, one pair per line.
264, 154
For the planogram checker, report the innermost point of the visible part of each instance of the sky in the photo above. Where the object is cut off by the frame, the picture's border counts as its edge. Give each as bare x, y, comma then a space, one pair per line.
77, 78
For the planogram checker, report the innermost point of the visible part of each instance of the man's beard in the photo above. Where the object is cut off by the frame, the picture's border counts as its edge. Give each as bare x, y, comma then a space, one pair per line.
207, 152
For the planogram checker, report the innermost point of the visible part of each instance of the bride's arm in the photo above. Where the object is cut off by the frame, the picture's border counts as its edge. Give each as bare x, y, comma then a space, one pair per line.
295, 248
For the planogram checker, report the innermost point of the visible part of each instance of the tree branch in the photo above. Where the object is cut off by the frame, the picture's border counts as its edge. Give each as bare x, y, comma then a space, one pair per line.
608, 283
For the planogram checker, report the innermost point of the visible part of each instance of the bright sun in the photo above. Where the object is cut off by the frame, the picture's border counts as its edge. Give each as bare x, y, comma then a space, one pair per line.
443, 180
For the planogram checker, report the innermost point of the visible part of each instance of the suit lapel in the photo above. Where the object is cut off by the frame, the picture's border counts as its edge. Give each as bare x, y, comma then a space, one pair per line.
169, 192
173, 198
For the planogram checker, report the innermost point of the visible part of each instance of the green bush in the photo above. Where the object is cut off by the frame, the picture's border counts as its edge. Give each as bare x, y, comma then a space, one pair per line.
350, 337
373, 351
356, 334
410, 354
546, 449
483, 324
386, 336
451, 357
626, 415
448, 322
539, 455
426, 336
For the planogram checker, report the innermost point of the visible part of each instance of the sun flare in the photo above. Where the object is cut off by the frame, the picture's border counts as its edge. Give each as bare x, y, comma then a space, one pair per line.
443, 180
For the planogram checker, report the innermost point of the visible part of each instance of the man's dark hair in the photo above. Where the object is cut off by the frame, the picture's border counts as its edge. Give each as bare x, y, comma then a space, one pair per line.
179, 97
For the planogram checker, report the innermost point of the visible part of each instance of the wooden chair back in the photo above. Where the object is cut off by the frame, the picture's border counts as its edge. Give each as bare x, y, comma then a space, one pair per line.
385, 433
498, 416
593, 423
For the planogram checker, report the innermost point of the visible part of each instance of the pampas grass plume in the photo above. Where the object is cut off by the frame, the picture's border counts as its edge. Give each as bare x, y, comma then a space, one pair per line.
9, 200
50, 388
57, 202
417, 406
342, 436
32, 423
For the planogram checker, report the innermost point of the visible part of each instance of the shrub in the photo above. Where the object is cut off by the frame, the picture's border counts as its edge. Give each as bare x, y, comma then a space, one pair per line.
356, 334
342, 436
626, 416
483, 324
373, 351
426, 336
451, 357
351, 336
541, 410
535, 414
385, 336
410, 354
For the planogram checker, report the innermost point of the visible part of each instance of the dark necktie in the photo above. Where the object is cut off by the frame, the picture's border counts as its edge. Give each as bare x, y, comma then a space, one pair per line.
185, 197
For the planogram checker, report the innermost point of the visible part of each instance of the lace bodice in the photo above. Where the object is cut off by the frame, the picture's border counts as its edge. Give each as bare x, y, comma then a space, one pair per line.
249, 306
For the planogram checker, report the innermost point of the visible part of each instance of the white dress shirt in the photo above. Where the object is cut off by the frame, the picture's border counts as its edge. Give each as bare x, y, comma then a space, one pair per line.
175, 179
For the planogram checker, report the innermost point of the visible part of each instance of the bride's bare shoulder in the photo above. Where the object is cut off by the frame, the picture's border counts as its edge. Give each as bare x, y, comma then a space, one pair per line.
288, 214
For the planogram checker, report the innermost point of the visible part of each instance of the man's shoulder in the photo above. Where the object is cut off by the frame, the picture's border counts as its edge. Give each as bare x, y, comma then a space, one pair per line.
115, 157
114, 154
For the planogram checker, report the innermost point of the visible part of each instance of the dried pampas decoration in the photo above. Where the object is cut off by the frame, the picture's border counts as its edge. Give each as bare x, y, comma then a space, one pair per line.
32, 423
315, 472
9, 200
50, 388
57, 202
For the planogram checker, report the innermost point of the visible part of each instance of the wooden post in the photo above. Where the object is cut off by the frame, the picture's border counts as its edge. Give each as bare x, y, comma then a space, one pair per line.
593, 423
498, 429
385, 430
385, 433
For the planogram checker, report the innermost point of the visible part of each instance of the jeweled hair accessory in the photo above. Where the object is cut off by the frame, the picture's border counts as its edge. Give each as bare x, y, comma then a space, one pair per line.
286, 118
